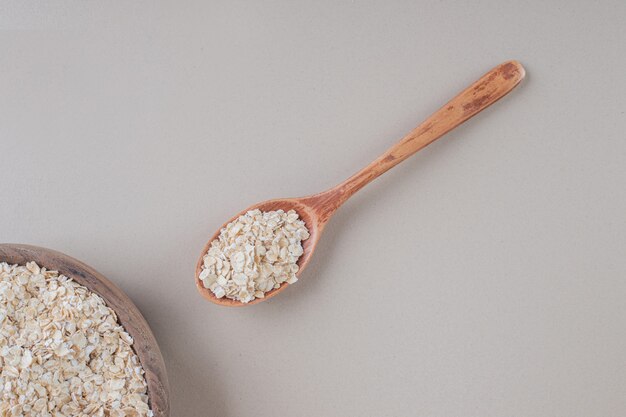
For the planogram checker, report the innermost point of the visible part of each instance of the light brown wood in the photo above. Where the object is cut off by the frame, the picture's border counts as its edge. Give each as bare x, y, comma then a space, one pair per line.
145, 344
316, 210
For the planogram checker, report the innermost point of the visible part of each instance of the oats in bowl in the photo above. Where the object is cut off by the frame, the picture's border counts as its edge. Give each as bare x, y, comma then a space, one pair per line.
62, 350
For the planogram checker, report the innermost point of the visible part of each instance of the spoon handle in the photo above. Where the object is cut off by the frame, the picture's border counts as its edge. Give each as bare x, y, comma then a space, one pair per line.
487, 90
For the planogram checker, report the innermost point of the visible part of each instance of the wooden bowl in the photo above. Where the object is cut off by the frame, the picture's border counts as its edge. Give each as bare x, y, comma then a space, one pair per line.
145, 344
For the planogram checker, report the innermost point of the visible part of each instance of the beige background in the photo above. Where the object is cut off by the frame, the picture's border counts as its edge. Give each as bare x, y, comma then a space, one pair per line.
484, 277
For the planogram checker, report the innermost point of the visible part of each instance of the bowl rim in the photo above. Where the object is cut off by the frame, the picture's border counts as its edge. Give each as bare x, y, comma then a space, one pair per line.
129, 316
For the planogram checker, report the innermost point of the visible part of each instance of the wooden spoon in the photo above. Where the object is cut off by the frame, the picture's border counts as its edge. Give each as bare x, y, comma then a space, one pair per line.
317, 209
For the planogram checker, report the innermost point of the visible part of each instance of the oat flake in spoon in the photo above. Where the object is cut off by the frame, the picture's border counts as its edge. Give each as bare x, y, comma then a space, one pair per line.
62, 351
254, 254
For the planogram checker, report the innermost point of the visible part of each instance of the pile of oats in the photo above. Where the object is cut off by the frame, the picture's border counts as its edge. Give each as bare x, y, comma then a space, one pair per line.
254, 254
62, 352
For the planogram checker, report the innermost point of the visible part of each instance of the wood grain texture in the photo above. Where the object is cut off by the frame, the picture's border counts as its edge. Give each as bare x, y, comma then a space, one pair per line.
145, 344
488, 89
316, 210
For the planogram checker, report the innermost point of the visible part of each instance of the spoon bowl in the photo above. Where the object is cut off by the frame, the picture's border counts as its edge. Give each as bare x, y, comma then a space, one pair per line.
317, 209
306, 210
